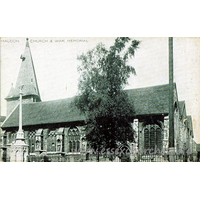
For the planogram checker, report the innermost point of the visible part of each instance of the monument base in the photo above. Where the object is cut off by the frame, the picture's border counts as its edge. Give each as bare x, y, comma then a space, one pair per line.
19, 151
172, 154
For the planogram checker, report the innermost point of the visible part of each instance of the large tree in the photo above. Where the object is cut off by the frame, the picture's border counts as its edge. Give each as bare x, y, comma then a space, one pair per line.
103, 75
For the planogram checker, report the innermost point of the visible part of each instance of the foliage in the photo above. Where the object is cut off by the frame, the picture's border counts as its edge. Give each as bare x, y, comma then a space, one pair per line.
103, 75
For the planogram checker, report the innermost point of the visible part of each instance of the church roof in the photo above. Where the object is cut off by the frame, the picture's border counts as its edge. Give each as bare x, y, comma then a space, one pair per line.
150, 100
189, 124
181, 105
2, 118
47, 112
11, 92
182, 111
26, 76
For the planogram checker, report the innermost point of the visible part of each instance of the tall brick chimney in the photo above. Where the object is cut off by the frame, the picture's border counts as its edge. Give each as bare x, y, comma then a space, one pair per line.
171, 95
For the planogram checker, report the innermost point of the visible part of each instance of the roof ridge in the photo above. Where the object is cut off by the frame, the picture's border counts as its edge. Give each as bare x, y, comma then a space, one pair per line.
154, 86
48, 101
77, 95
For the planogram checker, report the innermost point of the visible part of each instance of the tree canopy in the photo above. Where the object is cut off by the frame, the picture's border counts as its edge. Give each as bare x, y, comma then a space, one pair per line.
103, 75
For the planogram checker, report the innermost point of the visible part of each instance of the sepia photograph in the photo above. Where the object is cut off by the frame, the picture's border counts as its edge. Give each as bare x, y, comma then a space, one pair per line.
100, 99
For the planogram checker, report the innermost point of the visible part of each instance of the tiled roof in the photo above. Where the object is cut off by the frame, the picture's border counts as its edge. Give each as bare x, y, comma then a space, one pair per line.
11, 92
2, 118
150, 100
181, 107
26, 77
189, 123
48, 112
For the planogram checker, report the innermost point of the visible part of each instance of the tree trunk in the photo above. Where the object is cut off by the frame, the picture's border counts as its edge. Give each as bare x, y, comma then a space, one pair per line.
98, 156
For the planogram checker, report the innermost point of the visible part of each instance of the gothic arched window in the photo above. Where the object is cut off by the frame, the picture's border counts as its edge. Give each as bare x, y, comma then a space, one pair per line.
73, 138
70, 146
32, 142
159, 138
153, 137
74, 146
146, 138
78, 146
51, 141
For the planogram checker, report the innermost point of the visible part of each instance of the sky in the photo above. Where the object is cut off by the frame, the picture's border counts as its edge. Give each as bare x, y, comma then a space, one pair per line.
55, 62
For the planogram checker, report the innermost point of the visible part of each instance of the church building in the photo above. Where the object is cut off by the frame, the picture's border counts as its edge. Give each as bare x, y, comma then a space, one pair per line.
54, 130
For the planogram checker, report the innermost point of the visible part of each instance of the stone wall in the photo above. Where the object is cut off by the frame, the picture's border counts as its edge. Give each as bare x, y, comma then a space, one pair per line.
39, 140
141, 137
166, 133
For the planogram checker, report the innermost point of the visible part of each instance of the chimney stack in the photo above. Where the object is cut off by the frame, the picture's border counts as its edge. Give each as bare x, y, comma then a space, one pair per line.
171, 94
